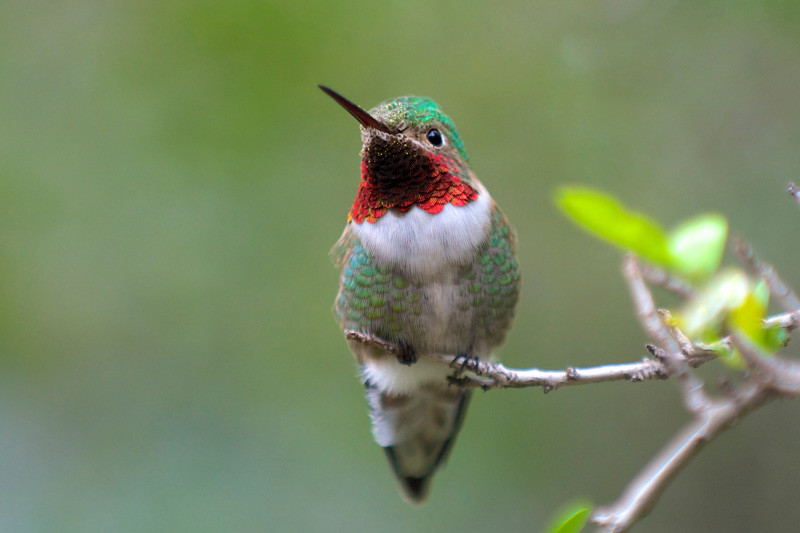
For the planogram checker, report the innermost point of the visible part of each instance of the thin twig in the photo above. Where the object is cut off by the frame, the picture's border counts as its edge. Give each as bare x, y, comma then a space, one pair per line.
368, 338
787, 321
648, 313
489, 375
662, 278
693, 396
765, 271
774, 372
493, 375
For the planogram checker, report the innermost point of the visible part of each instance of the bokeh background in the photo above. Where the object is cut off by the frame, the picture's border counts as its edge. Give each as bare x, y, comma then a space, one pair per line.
171, 181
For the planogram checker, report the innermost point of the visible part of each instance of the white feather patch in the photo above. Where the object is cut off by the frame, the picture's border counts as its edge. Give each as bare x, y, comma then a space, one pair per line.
387, 375
421, 242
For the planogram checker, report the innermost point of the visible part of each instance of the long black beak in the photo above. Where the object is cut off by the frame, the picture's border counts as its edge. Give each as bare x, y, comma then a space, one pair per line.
366, 120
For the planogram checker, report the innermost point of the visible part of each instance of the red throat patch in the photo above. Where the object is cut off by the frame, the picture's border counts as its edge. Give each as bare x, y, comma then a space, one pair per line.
431, 192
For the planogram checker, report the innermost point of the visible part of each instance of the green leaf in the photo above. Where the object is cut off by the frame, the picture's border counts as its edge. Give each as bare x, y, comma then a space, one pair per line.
733, 359
724, 350
761, 292
571, 518
749, 319
708, 308
696, 246
606, 217
749, 316
775, 338
730, 298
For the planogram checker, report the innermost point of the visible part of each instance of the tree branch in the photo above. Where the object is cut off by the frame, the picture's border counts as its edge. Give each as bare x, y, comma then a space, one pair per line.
693, 396
662, 278
477, 373
770, 377
777, 377
789, 321
777, 287
772, 372
644, 491
487, 375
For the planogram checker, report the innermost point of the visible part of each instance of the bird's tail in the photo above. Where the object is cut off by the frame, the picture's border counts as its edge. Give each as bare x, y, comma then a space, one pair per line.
417, 431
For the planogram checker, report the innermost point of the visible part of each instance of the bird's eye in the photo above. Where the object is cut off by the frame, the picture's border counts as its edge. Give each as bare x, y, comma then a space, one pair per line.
434, 137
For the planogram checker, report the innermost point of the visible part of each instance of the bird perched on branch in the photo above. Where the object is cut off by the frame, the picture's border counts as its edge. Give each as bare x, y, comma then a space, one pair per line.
429, 267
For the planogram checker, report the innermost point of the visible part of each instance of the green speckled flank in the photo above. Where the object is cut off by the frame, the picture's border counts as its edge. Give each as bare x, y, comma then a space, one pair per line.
494, 281
418, 111
372, 298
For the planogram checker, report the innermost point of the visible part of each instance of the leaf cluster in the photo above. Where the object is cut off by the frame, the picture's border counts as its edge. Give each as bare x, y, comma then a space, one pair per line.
727, 298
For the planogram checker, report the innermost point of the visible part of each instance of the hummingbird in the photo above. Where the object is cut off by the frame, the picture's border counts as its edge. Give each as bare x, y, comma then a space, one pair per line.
428, 266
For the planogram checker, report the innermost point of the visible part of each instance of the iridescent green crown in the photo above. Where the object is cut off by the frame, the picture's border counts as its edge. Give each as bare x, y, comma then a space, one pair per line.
418, 111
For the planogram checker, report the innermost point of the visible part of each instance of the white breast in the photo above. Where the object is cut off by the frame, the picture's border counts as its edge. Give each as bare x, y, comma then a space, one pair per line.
421, 242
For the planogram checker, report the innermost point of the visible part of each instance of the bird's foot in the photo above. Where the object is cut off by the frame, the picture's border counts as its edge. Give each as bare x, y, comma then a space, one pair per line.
464, 362
406, 355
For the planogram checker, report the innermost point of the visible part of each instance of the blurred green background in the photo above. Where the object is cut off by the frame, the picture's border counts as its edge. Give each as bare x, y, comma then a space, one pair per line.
171, 181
